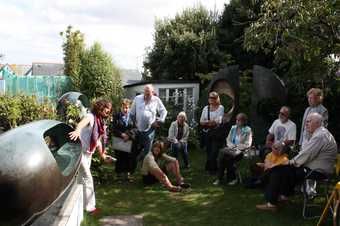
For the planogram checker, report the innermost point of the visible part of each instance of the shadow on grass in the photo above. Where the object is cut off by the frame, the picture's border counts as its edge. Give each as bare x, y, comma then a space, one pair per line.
203, 204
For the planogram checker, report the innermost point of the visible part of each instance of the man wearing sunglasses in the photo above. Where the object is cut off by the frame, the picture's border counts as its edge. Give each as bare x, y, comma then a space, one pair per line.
283, 131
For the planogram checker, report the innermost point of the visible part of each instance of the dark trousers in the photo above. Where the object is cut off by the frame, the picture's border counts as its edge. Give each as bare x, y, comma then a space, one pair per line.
281, 180
212, 149
126, 162
226, 161
183, 149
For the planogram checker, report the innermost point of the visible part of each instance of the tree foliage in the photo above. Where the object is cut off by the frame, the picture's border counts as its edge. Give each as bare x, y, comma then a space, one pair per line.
301, 33
100, 77
303, 36
185, 46
91, 70
236, 17
73, 48
21, 109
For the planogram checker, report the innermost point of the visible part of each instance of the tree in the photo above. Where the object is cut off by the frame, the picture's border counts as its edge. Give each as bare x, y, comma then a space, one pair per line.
73, 48
99, 76
185, 47
302, 33
236, 17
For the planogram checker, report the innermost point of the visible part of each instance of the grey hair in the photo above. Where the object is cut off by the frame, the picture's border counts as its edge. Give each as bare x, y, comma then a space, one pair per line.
315, 117
182, 113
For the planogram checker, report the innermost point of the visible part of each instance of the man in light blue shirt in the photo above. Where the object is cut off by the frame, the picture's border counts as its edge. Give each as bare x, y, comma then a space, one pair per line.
144, 110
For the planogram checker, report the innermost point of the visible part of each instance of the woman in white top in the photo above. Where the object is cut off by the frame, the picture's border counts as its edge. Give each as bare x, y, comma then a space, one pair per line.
211, 118
90, 130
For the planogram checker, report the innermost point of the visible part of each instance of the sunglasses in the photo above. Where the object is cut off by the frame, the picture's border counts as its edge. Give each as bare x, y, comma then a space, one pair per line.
282, 113
212, 97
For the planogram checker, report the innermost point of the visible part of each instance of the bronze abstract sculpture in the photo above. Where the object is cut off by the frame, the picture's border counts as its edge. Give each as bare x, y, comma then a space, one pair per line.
76, 98
38, 162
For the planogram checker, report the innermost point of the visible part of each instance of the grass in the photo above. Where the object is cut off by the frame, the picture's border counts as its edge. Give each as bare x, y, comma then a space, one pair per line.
203, 204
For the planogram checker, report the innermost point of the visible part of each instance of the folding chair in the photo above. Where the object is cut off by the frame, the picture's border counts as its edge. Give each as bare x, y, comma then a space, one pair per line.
312, 188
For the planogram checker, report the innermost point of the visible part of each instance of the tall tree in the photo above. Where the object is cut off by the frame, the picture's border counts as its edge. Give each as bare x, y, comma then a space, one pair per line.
302, 33
236, 17
73, 48
185, 46
99, 76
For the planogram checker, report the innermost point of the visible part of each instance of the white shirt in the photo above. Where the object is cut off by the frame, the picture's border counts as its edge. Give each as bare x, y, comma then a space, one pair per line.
86, 132
283, 131
216, 115
146, 114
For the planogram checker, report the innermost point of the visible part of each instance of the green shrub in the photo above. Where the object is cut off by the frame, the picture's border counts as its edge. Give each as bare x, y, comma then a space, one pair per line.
21, 109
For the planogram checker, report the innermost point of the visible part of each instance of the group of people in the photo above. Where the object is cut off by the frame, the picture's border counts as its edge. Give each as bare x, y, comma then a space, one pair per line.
316, 157
137, 121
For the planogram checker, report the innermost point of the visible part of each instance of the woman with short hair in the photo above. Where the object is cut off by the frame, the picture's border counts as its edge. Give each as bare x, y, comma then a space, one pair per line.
239, 139
315, 98
178, 137
125, 128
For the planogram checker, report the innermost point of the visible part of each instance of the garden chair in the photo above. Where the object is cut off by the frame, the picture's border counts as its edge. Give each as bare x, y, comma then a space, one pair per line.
313, 187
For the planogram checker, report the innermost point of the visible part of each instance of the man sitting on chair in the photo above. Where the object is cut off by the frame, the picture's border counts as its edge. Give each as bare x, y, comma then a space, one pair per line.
283, 131
316, 158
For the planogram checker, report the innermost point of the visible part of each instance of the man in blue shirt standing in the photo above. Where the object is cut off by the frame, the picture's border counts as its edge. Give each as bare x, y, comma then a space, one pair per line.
144, 110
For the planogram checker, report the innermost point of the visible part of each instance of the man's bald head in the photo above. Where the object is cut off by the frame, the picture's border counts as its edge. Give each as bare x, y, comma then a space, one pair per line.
314, 121
148, 91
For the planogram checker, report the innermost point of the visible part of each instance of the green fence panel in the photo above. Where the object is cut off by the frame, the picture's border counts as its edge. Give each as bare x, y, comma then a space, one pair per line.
41, 86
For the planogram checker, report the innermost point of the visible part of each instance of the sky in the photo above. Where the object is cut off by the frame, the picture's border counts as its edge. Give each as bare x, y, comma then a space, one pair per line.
29, 30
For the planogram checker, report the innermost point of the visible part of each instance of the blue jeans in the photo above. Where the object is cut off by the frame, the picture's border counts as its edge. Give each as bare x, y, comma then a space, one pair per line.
183, 149
145, 140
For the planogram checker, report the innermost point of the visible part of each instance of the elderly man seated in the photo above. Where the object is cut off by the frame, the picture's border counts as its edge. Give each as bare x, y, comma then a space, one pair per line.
318, 153
283, 131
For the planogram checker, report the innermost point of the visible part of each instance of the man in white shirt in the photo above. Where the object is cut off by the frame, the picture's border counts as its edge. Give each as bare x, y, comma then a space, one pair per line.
283, 130
144, 110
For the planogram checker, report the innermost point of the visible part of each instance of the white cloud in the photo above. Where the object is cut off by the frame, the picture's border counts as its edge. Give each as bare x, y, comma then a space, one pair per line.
30, 29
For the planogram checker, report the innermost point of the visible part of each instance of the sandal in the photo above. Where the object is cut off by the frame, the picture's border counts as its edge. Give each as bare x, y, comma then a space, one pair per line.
175, 189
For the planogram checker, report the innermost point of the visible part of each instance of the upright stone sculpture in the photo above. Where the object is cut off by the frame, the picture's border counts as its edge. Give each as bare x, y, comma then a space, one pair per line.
38, 162
227, 82
76, 98
269, 93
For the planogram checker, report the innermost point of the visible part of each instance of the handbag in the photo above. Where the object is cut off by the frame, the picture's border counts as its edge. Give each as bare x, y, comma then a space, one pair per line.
233, 152
121, 145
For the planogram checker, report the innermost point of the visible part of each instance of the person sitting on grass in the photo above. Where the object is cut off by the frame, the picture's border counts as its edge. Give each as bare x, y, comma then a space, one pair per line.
156, 163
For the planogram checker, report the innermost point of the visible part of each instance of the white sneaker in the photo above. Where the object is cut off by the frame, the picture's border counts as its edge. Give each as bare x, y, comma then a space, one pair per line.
216, 182
233, 182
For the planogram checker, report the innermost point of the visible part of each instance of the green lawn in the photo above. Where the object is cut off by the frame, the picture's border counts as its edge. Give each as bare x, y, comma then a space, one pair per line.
203, 204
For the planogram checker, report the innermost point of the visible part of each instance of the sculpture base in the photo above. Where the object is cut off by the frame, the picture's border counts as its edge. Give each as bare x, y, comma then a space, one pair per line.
67, 211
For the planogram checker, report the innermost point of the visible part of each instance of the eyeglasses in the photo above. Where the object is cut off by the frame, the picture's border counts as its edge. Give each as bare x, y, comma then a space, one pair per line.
283, 113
